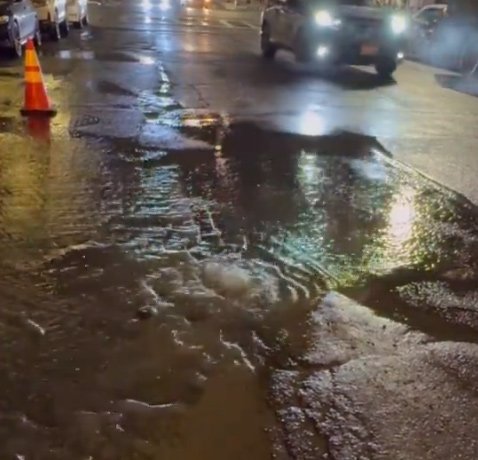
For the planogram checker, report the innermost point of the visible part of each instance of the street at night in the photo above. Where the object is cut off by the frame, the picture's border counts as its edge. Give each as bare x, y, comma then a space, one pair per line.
210, 255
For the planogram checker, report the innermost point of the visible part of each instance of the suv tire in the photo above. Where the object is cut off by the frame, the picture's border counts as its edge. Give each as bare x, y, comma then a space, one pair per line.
385, 68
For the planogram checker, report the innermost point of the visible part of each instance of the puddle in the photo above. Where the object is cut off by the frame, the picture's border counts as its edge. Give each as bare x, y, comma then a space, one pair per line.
10, 74
118, 57
109, 87
175, 282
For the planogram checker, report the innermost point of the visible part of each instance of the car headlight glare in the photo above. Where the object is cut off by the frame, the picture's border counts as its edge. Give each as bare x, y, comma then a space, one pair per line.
4, 19
324, 19
398, 24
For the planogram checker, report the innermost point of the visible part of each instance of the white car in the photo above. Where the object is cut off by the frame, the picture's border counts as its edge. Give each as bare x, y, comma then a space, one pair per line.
77, 11
430, 14
53, 18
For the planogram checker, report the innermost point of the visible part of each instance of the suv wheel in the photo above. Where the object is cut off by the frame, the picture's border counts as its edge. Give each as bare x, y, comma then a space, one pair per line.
16, 49
385, 68
268, 49
65, 28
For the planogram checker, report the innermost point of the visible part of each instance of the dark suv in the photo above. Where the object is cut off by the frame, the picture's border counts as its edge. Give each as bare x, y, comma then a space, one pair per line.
340, 32
18, 23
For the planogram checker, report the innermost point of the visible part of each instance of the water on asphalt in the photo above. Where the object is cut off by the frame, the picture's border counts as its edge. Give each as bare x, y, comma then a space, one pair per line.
148, 294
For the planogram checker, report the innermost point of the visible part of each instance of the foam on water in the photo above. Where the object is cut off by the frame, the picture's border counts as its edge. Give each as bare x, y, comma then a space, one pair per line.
230, 281
219, 280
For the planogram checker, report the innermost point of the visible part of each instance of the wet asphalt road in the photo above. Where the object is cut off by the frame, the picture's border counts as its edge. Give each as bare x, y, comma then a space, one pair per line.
195, 264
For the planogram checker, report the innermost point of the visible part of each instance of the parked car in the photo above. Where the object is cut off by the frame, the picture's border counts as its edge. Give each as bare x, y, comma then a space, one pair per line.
430, 15
340, 32
18, 23
77, 12
53, 17
422, 27
443, 39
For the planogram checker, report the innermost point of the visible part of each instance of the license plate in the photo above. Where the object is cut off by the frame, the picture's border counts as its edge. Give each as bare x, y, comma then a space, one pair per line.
369, 50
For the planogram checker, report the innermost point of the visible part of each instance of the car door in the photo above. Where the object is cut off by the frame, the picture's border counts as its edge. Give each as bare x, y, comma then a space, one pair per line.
26, 18
79, 7
61, 6
73, 7
31, 20
18, 13
82, 8
85, 8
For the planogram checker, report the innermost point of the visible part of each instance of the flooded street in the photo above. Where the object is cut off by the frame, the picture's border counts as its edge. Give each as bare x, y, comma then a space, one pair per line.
185, 273
150, 298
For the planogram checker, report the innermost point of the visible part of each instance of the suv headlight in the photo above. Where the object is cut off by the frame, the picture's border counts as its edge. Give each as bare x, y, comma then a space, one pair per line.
398, 23
4, 19
324, 18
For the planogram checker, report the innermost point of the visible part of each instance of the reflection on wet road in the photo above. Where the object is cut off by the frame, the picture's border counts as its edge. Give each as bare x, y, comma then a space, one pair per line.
144, 291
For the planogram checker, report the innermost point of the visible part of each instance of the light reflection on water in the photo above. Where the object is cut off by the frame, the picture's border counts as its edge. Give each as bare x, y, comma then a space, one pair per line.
401, 221
311, 123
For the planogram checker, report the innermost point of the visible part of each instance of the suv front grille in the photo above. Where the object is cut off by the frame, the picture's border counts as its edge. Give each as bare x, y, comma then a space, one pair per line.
361, 29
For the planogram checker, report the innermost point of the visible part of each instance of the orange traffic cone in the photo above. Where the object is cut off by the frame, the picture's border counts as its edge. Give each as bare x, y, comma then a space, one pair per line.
36, 98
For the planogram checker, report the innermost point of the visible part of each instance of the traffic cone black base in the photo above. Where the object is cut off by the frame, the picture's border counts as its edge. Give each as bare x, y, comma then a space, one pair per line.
38, 113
